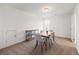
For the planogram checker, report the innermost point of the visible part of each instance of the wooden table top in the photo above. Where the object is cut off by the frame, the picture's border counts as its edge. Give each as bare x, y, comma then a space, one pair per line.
45, 34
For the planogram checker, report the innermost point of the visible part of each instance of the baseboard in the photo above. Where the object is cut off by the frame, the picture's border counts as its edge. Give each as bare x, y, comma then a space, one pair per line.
15, 44
11, 45
67, 38
77, 50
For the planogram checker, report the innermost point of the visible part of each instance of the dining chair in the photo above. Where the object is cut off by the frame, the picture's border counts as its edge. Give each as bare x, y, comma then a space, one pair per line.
49, 41
52, 37
39, 41
51, 31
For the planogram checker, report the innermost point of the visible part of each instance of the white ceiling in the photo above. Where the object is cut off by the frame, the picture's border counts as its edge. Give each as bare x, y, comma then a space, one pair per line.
56, 8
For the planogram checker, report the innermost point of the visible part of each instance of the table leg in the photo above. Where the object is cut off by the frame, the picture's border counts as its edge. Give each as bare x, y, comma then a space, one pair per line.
46, 44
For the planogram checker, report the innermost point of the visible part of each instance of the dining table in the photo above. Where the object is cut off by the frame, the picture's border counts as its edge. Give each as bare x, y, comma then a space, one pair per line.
46, 37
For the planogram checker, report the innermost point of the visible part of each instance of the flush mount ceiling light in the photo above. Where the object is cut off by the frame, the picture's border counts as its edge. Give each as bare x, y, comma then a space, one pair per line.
46, 9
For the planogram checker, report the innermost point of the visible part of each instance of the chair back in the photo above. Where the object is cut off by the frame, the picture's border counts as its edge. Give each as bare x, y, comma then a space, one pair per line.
51, 31
51, 36
37, 36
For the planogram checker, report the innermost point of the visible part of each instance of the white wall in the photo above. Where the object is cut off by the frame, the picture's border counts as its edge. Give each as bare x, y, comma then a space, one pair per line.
12, 23
61, 24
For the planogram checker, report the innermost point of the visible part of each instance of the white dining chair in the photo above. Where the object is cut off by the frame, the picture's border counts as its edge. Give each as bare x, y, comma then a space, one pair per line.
39, 41
51, 40
52, 37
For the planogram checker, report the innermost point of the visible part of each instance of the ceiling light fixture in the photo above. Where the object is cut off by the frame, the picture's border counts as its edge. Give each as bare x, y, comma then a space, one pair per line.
46, 9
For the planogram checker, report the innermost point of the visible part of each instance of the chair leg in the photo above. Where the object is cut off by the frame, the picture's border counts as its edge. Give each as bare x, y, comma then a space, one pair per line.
36, 44
41, 48
53, 36
49, 45
46, 45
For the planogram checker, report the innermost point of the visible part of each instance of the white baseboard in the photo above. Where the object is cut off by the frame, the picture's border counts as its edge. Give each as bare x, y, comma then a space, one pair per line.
77, 49
68, 38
